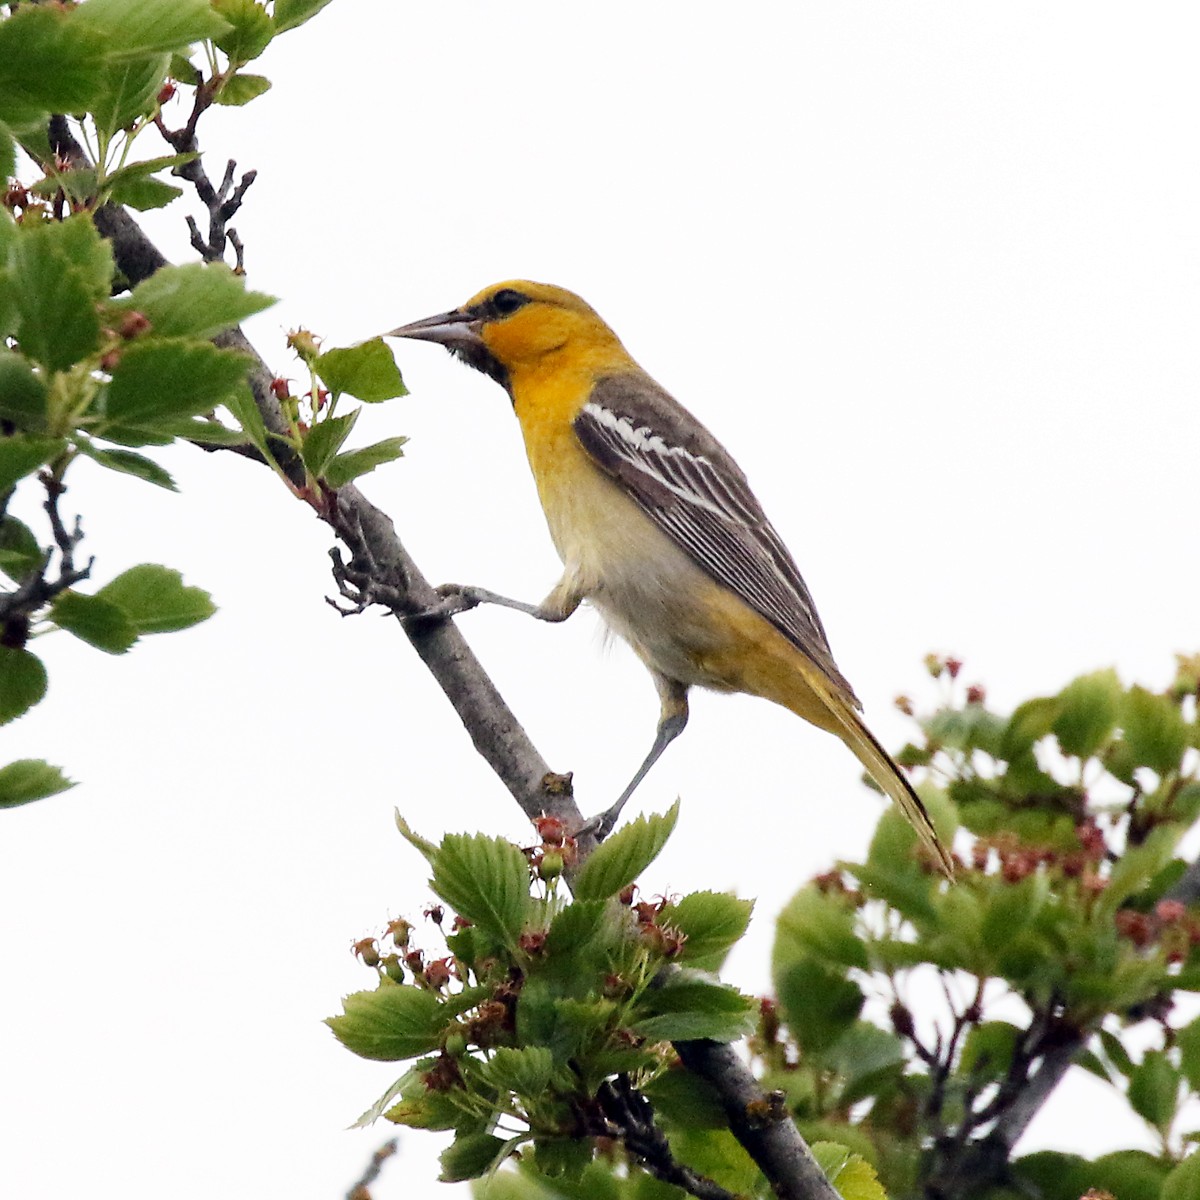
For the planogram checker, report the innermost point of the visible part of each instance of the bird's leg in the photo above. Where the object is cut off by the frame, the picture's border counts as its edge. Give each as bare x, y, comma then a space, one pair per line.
673, 718
563, 600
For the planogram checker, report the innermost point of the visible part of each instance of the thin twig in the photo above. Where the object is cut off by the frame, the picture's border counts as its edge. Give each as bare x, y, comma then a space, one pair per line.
361, 1188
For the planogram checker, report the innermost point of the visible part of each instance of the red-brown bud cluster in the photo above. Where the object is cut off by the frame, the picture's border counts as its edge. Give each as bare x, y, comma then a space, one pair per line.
976, 694
438, 973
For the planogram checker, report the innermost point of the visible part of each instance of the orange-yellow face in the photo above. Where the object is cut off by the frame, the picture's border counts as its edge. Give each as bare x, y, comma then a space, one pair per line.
516, 325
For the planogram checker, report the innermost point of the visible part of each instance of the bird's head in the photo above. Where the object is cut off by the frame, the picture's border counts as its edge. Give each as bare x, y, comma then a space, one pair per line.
517, 326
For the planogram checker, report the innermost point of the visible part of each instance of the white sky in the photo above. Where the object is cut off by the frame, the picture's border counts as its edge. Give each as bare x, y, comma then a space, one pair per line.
930, 271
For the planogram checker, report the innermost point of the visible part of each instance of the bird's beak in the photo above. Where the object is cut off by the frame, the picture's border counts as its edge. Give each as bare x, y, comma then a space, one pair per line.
456, 330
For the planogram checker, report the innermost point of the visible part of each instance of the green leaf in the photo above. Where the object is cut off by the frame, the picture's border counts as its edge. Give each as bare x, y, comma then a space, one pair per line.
22, 682
620, 859
198, 300
183, 70
144, 194
526, 1071
352, 464
563, 1159
94, 620
689, 1007
55, 296
712, 923
244, 411
241, 89
471, 1155
324, 440
1188, 1041
207, 432
486, 880
19, 550
156, 600
129, 463
1154, 730
367, 371
390, 1023
818, 1005
251, 29
1090, 706
135, 27
171, 377
423, 845
851, 1174
686, 1100
430, 1110
1116, 1053
1154, 1090
1183, 1183
30, 779
48, 63
8, 154
818, 925
22, 394
290, 13
130, 91
1128, 1174
989, 1049
21, 455
1029, 723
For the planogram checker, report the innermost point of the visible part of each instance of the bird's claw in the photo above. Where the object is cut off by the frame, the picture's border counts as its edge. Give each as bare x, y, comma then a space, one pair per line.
453, 599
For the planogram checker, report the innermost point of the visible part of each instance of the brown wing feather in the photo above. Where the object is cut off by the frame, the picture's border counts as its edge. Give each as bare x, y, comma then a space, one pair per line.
687, 483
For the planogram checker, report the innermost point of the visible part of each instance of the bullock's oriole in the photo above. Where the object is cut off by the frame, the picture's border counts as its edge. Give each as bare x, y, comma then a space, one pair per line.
656, 526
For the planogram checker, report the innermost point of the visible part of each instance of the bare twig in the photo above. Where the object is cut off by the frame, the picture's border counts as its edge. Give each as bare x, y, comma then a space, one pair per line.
361, 1189
624, 1114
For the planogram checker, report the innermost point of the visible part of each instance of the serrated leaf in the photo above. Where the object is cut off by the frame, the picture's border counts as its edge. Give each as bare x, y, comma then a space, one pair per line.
48, 63
391, 1023
486, 880
851, 1174
526, 1071
251, 29
30, 779
1088, 713
22, 394
22, 682
324, 440
575, 927
206, 432
19, 550
135, 27
352, 464
129, 463
56, 290
1153, 729
367, 372
688, 1007
94, 620
430, 1110
144, 194
240, 89
423, 845
197, 300
21, 455
171, 377
712, 923
183, 70
156, 600
129, 90
620, 859
290, 13
244, 411
472, 1154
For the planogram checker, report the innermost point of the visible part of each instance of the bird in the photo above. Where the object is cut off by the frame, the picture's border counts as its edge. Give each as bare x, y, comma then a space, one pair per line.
657, 529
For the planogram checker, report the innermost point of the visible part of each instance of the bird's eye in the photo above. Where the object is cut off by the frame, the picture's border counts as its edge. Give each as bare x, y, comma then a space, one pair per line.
506, 302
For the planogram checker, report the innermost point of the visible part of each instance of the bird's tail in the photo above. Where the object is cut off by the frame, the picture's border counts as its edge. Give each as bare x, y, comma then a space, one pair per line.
882, 768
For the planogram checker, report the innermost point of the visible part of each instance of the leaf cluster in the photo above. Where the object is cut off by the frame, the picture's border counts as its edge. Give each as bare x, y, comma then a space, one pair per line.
540, 999
1061, 933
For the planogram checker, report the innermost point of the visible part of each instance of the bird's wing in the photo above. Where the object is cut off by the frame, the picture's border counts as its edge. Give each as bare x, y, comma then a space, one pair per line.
687, 483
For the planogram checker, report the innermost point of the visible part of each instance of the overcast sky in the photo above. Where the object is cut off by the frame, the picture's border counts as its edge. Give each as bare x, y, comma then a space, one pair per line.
931, 273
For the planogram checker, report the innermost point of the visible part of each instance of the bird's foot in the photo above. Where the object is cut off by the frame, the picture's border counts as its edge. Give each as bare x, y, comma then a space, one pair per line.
453, 599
